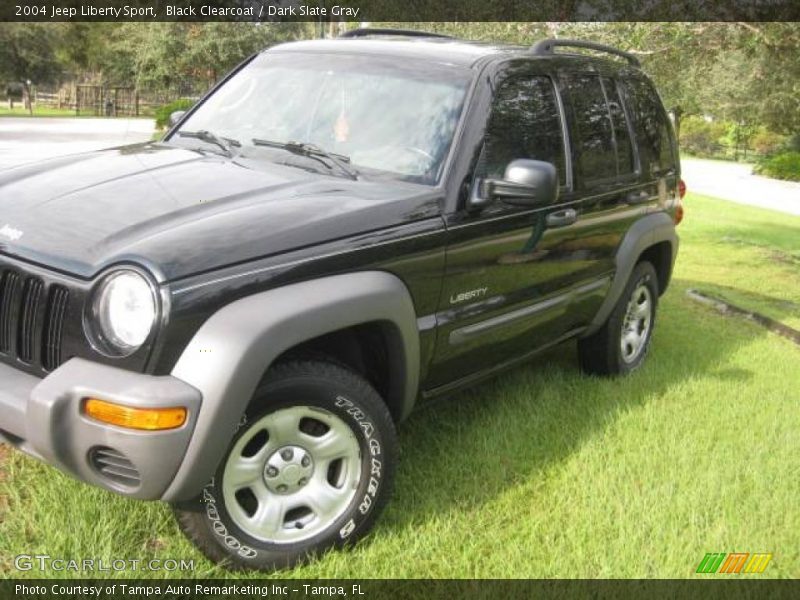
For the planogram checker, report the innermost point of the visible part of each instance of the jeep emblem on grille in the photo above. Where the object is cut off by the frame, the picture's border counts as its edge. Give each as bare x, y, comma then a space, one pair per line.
11, 233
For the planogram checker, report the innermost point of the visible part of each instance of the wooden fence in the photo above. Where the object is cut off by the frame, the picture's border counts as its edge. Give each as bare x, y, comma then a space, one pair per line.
102, 100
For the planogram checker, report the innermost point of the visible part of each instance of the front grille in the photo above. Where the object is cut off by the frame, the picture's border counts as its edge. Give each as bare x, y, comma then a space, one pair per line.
9, 282
54, 327
114, 465
31, 319
29, 309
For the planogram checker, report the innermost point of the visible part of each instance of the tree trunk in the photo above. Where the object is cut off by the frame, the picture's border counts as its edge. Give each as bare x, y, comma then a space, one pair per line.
26, 95
677, 112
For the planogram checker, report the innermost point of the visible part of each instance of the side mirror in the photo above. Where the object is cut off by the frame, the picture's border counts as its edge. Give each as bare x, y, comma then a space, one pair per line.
175, 117
525, 183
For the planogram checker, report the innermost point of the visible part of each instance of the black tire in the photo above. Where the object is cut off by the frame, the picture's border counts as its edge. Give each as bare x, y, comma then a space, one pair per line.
313, 385
602, 352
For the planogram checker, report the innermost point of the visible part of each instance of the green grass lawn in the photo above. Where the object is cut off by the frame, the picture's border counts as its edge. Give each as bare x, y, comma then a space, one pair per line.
20, 111
545, 472
747, 256
44, 111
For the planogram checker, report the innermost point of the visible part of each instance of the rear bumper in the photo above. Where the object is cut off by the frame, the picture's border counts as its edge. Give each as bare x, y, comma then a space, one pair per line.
42, 417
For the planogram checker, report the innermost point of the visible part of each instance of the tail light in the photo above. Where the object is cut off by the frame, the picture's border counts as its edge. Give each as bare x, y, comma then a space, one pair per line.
681, 188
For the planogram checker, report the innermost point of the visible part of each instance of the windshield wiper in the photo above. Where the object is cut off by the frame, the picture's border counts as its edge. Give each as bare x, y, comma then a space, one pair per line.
227, 144
313, 151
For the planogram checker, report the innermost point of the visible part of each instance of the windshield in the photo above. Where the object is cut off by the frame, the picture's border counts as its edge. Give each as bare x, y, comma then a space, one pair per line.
387, 117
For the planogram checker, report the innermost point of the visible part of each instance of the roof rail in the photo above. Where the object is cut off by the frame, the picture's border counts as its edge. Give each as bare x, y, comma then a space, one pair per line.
367, 31
546, 47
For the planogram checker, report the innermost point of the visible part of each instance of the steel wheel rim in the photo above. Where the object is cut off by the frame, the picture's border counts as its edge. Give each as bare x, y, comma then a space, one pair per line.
293, 485
636, 324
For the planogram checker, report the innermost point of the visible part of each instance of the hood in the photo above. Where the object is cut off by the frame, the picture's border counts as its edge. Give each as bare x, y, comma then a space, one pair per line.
180, 211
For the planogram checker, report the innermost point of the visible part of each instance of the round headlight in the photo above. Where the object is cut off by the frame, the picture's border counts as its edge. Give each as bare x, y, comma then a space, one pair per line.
124, 309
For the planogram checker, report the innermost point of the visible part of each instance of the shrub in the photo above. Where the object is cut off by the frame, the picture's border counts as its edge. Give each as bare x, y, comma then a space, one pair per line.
785, 165
766, 142
163, 112
738, 136
701, 138
793, 143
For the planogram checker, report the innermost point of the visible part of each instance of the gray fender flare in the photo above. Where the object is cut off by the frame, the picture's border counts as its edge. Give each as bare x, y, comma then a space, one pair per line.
227, 357
644, 233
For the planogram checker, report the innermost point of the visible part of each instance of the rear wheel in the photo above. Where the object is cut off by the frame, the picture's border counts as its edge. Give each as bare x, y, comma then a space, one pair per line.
309, 469
622, 343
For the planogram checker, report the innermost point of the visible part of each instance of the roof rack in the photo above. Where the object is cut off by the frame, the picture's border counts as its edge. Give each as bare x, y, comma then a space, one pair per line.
368, 31
546, 47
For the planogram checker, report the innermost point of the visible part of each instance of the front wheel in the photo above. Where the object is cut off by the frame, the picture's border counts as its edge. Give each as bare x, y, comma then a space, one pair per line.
622, 343
309, 469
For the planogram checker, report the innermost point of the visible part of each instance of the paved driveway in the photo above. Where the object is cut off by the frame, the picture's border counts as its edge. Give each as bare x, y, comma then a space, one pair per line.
736, 182
24, 140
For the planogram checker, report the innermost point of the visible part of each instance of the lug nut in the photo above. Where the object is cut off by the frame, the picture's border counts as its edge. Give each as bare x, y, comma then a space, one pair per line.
287, 454
306, 461
303, 481
272, 471
282, 488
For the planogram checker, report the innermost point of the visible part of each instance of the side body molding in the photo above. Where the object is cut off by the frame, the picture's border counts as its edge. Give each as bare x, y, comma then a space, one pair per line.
646, 232
229, 354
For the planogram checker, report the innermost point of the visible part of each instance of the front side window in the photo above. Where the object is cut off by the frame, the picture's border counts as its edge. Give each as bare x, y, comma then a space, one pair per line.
389, 118
525, 123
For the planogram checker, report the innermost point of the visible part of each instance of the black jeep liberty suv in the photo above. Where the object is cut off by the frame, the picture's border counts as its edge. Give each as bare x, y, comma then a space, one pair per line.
235, 318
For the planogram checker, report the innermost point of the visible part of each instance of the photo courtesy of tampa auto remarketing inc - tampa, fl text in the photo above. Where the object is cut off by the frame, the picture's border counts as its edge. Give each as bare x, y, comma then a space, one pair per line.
312, 299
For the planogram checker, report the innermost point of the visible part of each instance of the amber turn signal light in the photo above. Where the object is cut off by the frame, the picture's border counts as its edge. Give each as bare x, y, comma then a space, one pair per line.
678, 214
149, 419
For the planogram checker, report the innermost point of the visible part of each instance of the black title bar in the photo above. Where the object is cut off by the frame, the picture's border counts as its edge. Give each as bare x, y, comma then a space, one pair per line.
397, 10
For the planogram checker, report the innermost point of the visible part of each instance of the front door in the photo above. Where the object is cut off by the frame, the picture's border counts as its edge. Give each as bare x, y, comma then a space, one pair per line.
518, 279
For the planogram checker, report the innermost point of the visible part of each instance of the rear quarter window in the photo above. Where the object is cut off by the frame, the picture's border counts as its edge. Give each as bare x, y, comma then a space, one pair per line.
652, 127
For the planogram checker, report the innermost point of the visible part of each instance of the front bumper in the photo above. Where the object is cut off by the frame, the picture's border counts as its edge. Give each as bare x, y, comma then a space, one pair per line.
42, 417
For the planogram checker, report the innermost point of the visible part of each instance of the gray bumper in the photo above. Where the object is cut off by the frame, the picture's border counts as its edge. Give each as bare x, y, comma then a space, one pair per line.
42, 417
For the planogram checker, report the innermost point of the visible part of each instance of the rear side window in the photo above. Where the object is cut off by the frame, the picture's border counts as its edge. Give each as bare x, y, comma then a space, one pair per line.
619, 122
525, 123
594, 147
653, 129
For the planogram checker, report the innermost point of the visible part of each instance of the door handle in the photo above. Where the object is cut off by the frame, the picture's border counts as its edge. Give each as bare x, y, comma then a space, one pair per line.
562, 218
639, 197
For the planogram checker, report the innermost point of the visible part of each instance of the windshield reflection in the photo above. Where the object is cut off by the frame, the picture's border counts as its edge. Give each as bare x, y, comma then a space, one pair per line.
387, 118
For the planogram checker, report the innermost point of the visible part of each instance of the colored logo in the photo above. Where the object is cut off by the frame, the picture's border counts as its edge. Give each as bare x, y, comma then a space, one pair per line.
734, 563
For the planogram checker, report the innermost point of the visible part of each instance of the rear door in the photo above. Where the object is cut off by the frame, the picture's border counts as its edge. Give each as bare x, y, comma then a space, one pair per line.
611, 191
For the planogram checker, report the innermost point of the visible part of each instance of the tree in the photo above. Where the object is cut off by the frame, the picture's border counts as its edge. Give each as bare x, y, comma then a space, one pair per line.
748, 73
83, 47
188, 55
774, 52
27, 53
